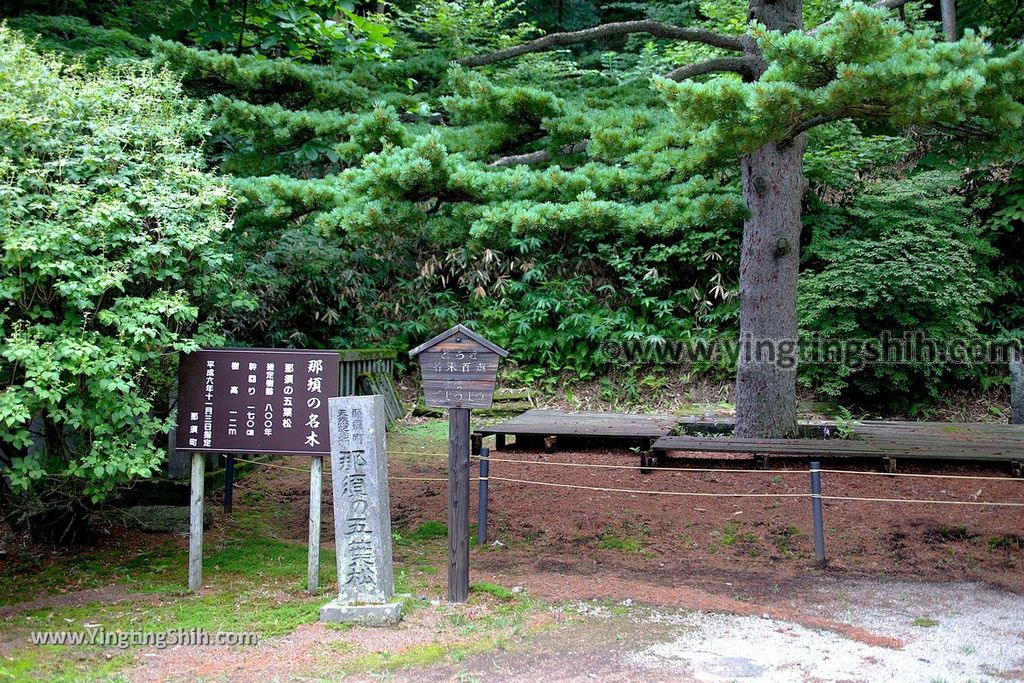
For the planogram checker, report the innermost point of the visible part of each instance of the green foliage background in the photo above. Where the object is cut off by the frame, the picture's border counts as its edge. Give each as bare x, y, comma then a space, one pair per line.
359, 166
114, 258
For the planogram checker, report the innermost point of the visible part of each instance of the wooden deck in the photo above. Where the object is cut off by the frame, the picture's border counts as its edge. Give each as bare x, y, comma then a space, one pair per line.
550, 425
886, 441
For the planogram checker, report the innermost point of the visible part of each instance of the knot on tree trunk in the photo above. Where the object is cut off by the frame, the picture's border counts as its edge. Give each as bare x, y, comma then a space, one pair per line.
760, 185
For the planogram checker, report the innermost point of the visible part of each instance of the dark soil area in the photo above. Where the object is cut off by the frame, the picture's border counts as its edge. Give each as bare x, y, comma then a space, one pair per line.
716, 538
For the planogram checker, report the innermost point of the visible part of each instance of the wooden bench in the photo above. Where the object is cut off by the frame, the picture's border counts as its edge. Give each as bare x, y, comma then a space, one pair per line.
888, 442
549, 425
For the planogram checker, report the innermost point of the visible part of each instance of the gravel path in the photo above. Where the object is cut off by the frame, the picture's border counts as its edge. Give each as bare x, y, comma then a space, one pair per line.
949, 632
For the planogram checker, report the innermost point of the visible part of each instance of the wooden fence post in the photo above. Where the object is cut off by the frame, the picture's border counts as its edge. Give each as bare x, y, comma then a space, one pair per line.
816, 514
195, 524
1016, 387
313, 558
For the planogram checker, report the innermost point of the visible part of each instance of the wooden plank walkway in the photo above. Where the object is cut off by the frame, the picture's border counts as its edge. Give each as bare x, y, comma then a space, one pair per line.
551, 424
887, 441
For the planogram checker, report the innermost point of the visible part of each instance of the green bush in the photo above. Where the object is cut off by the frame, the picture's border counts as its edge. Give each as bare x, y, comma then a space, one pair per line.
112, 243
74, 36
905, 255
369, 211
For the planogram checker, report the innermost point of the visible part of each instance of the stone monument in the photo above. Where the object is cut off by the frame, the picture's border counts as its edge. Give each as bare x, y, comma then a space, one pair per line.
362, 515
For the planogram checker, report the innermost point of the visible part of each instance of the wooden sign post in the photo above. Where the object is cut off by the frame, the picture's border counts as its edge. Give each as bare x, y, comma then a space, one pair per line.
255, 401
459, 369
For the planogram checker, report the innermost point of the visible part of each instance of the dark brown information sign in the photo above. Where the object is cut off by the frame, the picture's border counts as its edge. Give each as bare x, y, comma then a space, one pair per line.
256, 401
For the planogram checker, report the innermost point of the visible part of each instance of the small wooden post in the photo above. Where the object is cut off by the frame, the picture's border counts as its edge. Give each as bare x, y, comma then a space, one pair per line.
647, 461
458, 505
315, 490
195, 524
481, 504
1016, 386
816, 514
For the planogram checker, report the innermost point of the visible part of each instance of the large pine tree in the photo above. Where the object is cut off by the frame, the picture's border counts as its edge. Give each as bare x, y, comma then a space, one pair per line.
771, 86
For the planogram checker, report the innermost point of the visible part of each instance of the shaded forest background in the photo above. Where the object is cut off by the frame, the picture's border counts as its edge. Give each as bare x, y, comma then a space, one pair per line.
328, 177
370, 212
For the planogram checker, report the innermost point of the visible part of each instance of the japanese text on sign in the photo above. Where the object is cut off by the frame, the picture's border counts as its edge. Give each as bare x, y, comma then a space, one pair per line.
255, 401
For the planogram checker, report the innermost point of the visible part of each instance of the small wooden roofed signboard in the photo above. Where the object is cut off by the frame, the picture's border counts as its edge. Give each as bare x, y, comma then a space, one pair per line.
459, 369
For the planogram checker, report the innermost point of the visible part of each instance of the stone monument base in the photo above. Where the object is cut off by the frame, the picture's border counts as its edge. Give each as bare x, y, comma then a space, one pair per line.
384, 614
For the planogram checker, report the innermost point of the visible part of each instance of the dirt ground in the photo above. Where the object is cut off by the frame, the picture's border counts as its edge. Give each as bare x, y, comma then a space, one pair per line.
595, 536
623, 586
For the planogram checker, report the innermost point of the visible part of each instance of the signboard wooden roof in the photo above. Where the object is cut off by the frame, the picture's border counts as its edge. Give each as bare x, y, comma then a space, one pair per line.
459, 369
458, 329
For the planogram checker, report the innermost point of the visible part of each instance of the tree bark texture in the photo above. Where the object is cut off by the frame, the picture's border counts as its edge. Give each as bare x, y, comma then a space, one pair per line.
773, 190
1017, 389
948, 8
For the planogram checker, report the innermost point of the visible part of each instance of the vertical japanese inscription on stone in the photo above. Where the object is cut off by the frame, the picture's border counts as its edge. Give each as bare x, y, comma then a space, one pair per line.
362, 519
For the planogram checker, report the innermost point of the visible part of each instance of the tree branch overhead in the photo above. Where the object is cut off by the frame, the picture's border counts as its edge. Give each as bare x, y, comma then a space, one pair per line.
744, 66
620, 28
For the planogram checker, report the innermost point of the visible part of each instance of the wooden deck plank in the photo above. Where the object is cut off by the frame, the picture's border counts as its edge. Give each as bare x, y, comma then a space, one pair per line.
540, 422
875, 438
821, 447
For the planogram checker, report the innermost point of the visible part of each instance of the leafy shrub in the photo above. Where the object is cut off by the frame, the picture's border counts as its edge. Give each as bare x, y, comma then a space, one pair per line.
458, 27
77, 37
904, 256
112, 243
310, 30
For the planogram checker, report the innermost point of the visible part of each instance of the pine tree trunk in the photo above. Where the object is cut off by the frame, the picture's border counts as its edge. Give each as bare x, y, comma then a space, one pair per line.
948, 8
773, 189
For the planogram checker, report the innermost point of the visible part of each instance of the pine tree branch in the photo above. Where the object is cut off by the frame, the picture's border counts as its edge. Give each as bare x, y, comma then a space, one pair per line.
623, 28
538, 156
744, 66
890, 4
805, 126
619, 28
881, 4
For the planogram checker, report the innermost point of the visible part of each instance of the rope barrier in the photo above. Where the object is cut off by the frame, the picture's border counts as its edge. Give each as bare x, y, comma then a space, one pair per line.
684, 469
928, 476
717, 469
743, 471
640, 467
702, 494
935, 502
270, 464
695, 494
444, 455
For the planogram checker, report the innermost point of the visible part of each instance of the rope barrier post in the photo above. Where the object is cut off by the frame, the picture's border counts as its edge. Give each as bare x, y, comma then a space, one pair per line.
816, 513
481, 513
315, 491
229, 482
